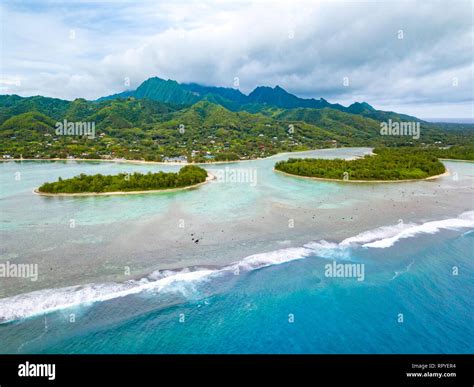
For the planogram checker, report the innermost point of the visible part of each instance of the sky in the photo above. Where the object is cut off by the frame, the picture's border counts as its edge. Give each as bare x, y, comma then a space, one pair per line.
413, 57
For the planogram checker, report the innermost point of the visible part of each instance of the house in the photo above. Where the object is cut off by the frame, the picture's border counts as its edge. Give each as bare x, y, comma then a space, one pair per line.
179, 159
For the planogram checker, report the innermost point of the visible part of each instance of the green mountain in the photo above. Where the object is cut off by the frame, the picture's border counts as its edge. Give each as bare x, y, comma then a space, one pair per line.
143, 128
279, 97
171, 91
33, 121
158, 89
165, 91
219, 93
25, 128
260, 99
11, 105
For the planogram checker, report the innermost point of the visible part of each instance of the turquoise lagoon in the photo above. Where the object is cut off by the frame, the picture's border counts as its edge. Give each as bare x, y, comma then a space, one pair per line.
256, 281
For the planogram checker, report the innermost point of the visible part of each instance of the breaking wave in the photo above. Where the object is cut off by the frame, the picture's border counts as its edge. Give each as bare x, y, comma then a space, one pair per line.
183, 281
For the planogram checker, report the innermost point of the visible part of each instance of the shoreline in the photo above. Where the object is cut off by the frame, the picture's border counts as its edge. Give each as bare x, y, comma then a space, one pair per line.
460, 160
446, 173
173, 163
209, 177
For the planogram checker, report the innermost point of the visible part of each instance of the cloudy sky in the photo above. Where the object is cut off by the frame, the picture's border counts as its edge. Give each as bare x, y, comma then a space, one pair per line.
413, 57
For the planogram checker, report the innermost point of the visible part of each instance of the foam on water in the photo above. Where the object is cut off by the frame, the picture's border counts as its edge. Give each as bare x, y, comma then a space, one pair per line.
465, 220
184, 281
49, 300
258, 261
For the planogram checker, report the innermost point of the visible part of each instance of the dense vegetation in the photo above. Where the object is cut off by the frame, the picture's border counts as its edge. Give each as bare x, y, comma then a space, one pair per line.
457, 152
187, 176
386, 164
162, 120
148, 130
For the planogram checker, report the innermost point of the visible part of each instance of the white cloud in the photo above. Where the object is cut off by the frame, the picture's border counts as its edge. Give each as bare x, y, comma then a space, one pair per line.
305, 47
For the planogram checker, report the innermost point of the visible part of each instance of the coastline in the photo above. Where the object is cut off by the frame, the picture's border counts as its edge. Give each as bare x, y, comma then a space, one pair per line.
127, 161
446, 173
460, 160
174, 163
209, 177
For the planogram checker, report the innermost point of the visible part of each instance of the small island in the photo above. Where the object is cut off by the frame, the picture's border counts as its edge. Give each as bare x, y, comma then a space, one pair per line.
84, 185
385, 165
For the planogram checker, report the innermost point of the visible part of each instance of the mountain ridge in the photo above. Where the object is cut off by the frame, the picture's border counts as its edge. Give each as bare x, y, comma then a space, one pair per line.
140, 128
171, 91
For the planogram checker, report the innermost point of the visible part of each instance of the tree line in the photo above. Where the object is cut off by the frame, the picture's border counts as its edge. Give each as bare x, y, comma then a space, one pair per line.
187, 176
386, 164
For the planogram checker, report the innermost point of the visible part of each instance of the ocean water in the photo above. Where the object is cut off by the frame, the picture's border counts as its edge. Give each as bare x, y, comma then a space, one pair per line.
412, 293
269, 306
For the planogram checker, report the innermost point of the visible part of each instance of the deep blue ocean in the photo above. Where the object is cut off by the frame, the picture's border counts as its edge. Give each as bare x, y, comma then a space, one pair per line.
416, 297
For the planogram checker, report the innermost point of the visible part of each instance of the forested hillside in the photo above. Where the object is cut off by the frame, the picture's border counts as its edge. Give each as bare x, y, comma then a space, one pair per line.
164, 120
